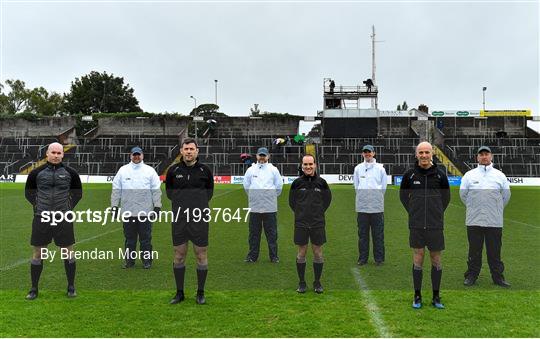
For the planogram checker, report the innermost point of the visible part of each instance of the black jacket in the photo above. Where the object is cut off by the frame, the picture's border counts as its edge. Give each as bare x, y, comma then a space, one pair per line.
425, 194
189, 187
309, 198
53, 188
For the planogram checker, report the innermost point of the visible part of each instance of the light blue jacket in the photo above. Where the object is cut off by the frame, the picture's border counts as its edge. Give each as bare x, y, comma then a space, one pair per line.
136, 188
370, 182
263, 184
485, 191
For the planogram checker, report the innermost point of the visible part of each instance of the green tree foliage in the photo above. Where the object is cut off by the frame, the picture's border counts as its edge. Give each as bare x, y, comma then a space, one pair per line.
207, 110
100, 93
20, 99
43, 103
14, 101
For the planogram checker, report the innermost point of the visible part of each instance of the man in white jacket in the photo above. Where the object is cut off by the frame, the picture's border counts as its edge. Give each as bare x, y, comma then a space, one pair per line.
370, 185
263, 184
485, 191
136, 188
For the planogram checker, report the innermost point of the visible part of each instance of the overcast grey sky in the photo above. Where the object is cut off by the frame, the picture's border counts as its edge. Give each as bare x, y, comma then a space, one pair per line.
277, 54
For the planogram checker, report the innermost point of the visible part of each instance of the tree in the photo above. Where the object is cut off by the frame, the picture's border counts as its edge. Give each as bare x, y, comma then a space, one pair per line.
24, 100
398, 108
15, 101
100, 93
210, 110
41, 102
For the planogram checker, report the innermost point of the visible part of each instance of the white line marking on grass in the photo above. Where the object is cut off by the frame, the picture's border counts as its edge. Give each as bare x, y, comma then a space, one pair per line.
371, 306
26, 260
507, 219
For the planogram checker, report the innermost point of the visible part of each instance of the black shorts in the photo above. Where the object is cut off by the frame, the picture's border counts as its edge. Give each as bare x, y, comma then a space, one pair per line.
44, 232
302, 236
183, 232
433, 239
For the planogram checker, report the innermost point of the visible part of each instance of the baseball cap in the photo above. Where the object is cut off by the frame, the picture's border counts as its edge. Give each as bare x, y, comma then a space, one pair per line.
136, 149
263, 151
368, 148
484, 149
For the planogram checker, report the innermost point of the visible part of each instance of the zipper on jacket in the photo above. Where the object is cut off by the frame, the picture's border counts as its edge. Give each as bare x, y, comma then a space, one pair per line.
53, 187
425, 201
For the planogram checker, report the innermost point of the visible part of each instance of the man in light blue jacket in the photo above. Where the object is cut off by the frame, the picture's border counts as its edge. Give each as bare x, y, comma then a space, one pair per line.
485, 191
137, 189
263, 184
370, 185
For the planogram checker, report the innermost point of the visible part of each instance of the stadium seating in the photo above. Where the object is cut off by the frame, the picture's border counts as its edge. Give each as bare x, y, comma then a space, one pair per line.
105, 154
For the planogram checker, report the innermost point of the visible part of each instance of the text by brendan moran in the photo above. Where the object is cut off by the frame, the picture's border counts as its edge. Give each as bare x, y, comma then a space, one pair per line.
96, 254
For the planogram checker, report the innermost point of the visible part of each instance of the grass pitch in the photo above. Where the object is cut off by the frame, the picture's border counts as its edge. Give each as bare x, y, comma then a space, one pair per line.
258, 300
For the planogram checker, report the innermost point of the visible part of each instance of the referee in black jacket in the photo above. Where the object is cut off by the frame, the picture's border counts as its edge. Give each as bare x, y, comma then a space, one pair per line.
309, 198
190, 186
52, 187
425, 194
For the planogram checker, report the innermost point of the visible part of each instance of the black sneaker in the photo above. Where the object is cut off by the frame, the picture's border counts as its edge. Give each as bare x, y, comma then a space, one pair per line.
436, 302
71, 292
32, 294
502, 283
379, 263
250, 259
147, 265
469, 281
302, 287
361, 262
200, 299
274, 260
128, 264
417, 302
179, 297
317, 287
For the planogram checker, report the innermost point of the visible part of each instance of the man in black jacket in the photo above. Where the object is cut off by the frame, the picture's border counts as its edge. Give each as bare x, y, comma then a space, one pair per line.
425, 194
190, 186
309, 198
52, 188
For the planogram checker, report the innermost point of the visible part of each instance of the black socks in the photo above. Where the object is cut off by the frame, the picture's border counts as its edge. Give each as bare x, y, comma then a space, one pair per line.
202, 271
436, 275
70, 267
36, 267
179, 273
417, 280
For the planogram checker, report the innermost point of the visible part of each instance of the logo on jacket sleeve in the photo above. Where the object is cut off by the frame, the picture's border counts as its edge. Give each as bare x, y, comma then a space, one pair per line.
416, 182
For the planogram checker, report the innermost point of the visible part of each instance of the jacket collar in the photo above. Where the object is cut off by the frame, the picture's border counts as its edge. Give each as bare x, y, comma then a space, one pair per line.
182, 163
370, 163
486, 168
51, 165
430, 170
134, 165
305, 177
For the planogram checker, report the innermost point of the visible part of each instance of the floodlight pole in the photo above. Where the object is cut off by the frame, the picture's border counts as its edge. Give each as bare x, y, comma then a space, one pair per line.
484, 98
215, 86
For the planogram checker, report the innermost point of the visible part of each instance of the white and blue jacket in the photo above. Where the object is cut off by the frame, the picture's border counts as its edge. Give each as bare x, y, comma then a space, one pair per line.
370, 182
485, 191
136, 188
263, 184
